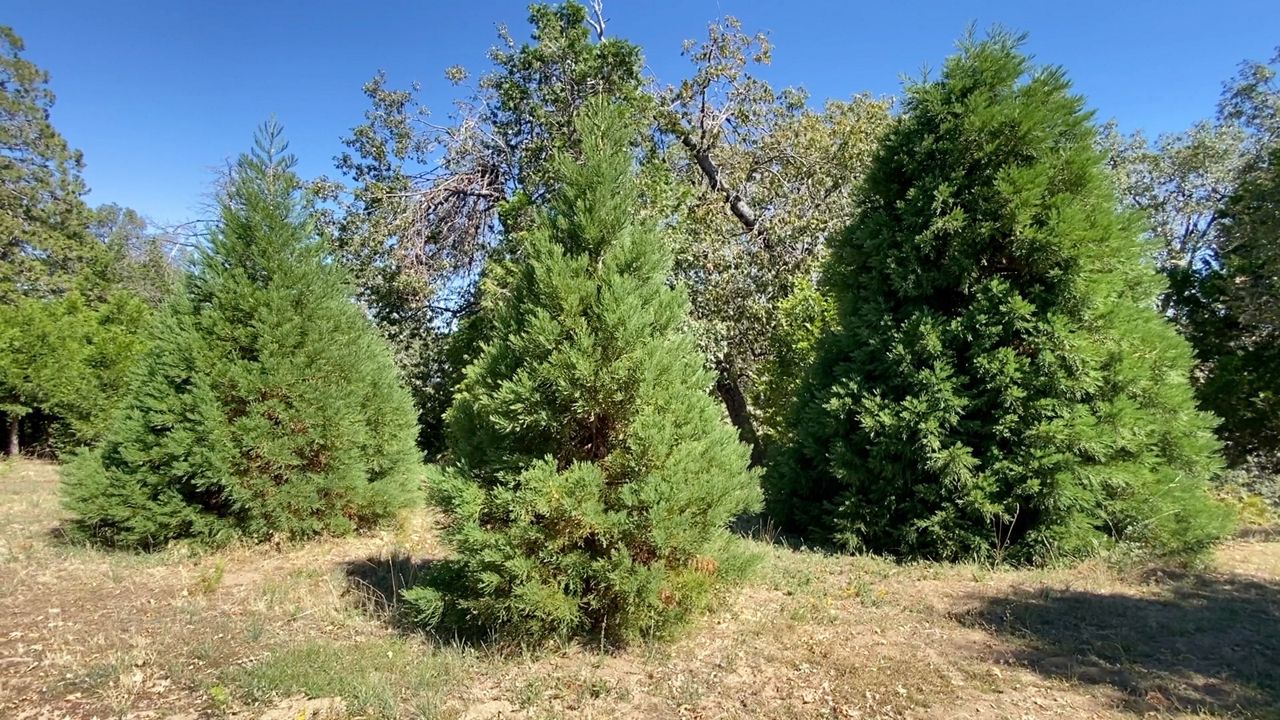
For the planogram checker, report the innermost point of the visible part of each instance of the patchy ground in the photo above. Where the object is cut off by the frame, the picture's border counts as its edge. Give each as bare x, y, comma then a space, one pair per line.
310, 631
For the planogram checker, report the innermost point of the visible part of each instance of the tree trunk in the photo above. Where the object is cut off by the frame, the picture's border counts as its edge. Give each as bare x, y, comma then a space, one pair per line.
729, 388
13, 435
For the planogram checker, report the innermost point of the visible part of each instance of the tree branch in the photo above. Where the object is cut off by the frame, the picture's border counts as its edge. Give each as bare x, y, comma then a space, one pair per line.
737, 205
596, 18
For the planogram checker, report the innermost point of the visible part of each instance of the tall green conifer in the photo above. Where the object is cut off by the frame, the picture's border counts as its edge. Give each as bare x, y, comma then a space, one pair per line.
593, 477
1236, 327
1000, 383
267, 404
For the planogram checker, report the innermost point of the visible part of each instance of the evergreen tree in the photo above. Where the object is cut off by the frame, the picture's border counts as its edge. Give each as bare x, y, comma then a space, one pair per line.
267, 405
1000, 383
65, 326
593, 476
43, 237
1236, 330
63, 366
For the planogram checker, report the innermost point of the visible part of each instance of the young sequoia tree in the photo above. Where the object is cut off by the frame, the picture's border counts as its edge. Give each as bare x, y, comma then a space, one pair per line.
267, 405
593, 476
1000, 383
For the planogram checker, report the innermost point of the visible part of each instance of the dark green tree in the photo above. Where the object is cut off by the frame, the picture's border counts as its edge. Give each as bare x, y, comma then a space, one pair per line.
1237, 327
267, 405
593, 476
43, 242
1000, 383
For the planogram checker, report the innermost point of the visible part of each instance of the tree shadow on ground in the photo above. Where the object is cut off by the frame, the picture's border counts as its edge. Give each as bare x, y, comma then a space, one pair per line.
376, 582
1205, 643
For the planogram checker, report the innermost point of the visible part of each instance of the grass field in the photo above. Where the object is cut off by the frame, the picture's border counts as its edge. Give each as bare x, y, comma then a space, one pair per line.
311, 631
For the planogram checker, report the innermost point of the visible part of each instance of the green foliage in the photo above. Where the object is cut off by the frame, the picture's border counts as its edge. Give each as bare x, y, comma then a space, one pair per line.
71, 306
999, 383
593, 477
803, 318
759, 179
428, 199
135, 257
1253, 506
65, 362
1237, 332
746, 178
43, 243
266, 404
1210, 195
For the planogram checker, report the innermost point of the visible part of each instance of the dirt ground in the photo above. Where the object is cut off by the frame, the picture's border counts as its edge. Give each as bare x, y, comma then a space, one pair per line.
311, 631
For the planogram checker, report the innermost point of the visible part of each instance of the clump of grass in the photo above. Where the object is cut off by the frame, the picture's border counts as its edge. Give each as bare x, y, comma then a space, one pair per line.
210, 578
375, 678
867, 593
220, 697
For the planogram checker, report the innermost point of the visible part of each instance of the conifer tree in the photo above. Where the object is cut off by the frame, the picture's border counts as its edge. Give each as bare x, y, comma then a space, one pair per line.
1000, 383
64, 363
65, 323
43, 239
593, 476
1237, 329
267, 405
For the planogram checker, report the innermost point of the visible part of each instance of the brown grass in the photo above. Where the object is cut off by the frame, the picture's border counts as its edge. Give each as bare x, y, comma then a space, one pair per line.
311, 631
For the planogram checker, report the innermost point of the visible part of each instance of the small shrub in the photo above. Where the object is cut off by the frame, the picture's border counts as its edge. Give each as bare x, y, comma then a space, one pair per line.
210, 579
1253, 495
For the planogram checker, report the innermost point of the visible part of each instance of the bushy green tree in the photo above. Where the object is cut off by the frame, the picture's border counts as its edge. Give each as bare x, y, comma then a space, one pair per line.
1238, 326
266, 405
593, 477
1000, 383
64, 364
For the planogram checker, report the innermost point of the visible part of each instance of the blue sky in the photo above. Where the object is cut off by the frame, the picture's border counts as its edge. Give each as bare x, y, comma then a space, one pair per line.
160, 93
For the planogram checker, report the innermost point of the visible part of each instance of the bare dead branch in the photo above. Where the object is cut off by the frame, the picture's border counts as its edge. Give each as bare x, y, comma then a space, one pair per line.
596, 18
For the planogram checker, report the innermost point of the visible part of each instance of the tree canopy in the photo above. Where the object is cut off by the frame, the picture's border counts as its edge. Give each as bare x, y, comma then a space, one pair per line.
999, 382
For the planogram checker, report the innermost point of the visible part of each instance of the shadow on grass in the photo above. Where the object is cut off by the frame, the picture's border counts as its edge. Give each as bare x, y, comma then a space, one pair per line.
1259, 533
377, 582
1202, 644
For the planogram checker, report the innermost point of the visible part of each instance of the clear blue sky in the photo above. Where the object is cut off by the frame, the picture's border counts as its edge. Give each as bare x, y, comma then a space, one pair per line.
158, 93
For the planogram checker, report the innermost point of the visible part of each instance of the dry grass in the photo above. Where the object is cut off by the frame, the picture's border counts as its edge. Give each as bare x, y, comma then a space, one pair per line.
311, 631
